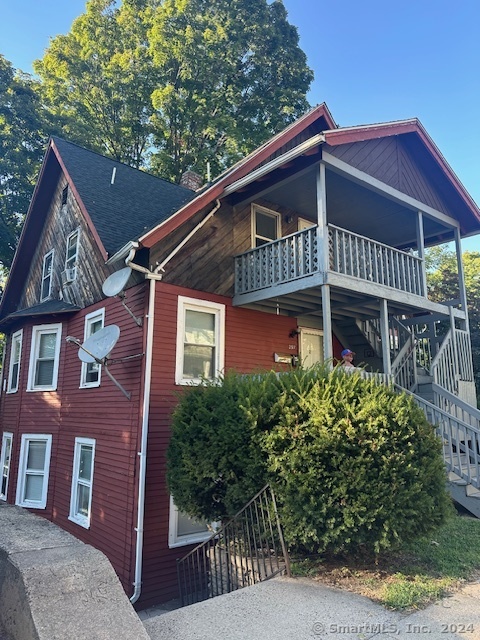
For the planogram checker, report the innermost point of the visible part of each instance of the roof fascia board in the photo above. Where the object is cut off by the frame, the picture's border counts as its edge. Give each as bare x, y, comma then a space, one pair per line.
401, 127
18, 251
274, 164
236, 172
384, 189
83, 209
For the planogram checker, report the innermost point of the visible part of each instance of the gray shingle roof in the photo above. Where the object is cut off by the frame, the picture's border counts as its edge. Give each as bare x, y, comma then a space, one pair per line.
124, 210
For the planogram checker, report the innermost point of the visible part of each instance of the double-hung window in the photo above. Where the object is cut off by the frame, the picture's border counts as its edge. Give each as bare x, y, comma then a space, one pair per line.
34, 466
14, 368
44, 357
46, 287
90, 376
82, 482
5, 458
266, 225
200, 340
71, 256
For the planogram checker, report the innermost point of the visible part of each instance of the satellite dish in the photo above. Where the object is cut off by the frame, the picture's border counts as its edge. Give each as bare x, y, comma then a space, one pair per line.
99, 344
116, 282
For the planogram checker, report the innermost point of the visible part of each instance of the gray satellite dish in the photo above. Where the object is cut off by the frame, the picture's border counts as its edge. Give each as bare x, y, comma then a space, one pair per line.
99, 344
115, 284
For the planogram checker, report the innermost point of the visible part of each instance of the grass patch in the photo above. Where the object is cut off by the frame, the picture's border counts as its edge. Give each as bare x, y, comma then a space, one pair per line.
411, 577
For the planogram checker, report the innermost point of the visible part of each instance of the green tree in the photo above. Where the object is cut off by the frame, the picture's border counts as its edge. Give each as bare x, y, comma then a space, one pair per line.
442, 278
232, 76
98, 79
171, 85
22, 144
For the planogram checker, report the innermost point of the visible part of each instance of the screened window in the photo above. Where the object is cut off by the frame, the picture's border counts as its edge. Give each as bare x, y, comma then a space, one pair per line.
5, 458
14, 368
90, 376
82, 482
265, 226
46, 288
185, 530
200, 340
34, 466
71, 253
44, 357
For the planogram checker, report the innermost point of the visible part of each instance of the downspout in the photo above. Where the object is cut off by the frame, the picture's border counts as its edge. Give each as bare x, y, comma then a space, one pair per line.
153, 276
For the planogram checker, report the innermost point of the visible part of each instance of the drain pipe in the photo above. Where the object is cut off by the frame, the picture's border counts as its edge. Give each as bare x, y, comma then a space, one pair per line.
152, 276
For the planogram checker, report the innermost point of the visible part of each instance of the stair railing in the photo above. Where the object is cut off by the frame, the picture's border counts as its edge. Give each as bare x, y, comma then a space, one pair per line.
461, 441
455, 406
403, 354
248, 549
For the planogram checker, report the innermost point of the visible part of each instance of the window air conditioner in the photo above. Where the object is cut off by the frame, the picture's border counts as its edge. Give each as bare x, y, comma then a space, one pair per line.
68, 276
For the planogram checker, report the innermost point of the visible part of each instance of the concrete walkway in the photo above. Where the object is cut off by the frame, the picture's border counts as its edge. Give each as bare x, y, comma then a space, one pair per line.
302, 609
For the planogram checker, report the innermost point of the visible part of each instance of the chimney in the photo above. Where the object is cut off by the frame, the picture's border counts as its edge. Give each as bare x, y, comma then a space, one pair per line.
191, 180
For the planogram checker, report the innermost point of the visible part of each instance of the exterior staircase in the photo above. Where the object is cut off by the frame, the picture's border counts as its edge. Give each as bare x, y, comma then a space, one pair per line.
437, 372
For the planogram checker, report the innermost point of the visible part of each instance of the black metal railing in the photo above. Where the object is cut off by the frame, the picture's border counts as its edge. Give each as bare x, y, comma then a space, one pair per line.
248, 549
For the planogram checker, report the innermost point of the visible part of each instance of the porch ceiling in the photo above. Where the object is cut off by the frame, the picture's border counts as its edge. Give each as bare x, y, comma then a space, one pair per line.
353, 207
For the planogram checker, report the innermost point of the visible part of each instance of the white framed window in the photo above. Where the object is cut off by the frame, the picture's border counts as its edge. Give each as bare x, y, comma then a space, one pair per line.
14, 367
266, 225
91, 371
82, 482
5, 458
183, 530
33, 469
200, 340
46, 287
44, 357
71, 255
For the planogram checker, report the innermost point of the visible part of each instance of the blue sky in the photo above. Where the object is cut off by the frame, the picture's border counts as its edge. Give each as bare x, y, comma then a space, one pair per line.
374, 61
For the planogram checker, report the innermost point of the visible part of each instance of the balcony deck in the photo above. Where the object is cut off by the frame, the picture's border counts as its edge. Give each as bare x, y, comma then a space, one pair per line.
359, 265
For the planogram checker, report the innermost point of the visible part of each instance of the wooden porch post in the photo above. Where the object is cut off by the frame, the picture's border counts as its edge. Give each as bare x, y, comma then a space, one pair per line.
327, 323
421, 250
322, 231
461, 277
385, 333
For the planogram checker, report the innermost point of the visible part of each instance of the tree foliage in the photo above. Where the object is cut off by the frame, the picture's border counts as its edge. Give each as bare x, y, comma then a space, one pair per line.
22, 144
174, 84
354, 465
442, 277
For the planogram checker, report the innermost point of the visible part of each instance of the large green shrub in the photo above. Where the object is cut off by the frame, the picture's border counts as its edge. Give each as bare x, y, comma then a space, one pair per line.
354, 465
214, 461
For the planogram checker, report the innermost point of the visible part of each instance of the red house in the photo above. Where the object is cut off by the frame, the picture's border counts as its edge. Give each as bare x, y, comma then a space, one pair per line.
313, 242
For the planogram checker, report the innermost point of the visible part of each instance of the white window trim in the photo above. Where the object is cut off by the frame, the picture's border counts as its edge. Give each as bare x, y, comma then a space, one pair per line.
205, 306
174, 540
76, 517
22, 471
76, 231
42, 298
275, 214
6, 436
17, 336
36, 332
94, 315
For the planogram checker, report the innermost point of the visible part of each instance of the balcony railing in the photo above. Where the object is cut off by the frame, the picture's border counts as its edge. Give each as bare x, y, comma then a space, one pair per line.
296, 256
360, 257
284, 260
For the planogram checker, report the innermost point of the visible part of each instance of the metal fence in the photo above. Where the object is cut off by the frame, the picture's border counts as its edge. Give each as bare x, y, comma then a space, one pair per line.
248, 549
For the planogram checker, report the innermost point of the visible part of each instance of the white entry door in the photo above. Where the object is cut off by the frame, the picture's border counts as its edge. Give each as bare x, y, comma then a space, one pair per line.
311, 346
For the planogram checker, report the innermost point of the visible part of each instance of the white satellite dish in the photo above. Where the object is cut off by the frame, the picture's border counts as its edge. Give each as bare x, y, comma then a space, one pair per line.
99, 344
115, 284
97, 348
